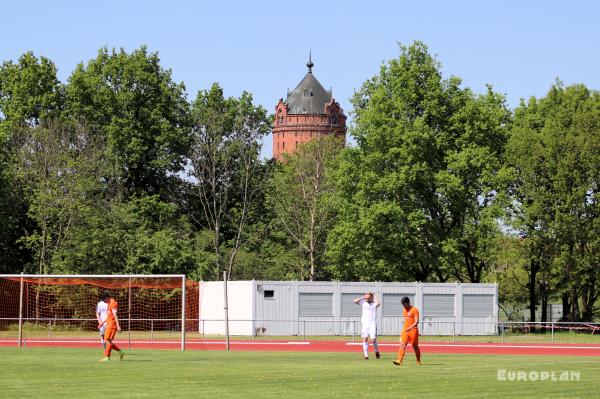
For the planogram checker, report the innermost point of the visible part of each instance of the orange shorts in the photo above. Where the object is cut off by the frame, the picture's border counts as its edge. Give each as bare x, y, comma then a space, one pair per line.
110, 333
410, 337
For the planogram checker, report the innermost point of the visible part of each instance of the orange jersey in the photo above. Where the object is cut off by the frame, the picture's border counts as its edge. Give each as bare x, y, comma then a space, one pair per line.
410, 316
110, 319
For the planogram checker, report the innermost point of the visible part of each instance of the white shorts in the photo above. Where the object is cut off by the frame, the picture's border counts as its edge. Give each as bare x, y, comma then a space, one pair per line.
369, 330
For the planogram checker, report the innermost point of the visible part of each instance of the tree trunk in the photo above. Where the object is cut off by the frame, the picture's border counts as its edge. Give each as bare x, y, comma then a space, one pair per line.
474, 266
312, 266
42, 268
238, 240
575, 316
242, 221
534, 266
587, 302
217, 243
544, 302
566, 308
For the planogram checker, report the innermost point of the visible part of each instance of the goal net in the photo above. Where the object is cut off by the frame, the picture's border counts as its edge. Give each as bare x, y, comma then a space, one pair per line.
154, 310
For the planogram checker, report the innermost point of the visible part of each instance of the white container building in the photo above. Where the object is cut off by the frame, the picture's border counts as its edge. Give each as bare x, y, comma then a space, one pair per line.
298, 308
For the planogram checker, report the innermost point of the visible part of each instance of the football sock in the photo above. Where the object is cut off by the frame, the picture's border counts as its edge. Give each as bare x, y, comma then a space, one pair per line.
108, 349
401, 355
375, 345
366, 348
418, 354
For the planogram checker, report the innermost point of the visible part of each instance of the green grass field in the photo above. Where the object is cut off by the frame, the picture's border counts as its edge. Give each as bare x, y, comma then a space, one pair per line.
76, 373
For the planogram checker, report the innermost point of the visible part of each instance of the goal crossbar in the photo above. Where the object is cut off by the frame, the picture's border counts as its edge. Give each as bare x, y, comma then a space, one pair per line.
92, 275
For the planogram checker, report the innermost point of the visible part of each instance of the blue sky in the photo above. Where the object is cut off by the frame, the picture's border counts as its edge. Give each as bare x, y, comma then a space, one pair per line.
520, 47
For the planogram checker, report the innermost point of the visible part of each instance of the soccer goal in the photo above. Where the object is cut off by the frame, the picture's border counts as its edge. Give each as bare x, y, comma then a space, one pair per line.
154, 310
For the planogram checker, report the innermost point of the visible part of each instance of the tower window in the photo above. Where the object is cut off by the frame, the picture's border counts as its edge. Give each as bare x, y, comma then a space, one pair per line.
283, 145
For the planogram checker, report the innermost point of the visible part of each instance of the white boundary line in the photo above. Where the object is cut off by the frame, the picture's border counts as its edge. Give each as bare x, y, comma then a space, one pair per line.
82, 341
250, 343
306, 343
61, 341
501, 346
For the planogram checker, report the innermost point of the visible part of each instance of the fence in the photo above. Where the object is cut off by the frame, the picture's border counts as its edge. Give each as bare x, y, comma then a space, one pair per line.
158, 332
552, 332
164, 332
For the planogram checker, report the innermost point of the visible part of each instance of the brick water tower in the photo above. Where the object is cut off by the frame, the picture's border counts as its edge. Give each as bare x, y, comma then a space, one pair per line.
309, 111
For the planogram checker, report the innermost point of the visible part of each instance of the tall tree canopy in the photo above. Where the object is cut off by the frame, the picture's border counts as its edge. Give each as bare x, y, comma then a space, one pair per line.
417, 191
225, 167
554, 160
29, 92
132, 101
302, 195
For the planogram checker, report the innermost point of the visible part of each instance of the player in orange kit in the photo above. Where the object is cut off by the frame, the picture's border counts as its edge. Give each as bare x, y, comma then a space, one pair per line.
112, 326
410, 331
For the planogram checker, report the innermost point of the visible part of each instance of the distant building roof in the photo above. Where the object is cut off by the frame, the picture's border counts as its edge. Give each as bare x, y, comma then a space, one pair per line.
309, 97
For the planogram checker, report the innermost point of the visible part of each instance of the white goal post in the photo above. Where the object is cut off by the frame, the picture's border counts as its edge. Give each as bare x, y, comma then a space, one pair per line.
46, 309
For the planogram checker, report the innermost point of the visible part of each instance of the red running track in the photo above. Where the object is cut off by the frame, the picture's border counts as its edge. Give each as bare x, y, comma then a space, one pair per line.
479, 348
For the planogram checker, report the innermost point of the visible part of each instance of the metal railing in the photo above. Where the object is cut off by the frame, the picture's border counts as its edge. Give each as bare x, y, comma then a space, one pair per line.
53, 328
167, 329
454, 330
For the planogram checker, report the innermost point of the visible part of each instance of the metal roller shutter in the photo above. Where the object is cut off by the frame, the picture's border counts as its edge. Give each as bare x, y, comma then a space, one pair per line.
315, 304
392, 304
349, 308
478, 305
438, 305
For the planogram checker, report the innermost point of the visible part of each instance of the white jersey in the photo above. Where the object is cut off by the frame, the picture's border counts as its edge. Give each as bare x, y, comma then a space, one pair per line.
369, 311
102, 309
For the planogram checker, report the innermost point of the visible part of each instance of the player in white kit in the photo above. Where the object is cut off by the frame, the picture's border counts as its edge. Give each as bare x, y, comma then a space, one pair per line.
369, 305
101, 315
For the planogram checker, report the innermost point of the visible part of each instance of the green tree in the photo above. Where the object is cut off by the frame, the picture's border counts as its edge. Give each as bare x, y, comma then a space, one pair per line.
60, 175
81, 228
417, 193
142, 236
554, 156
13, 219
279, 257
302, 195
225, 168
274, 254
511, 277
29, 92
131, 101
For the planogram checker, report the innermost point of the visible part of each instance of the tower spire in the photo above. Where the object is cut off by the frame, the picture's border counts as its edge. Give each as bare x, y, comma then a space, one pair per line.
309, 64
